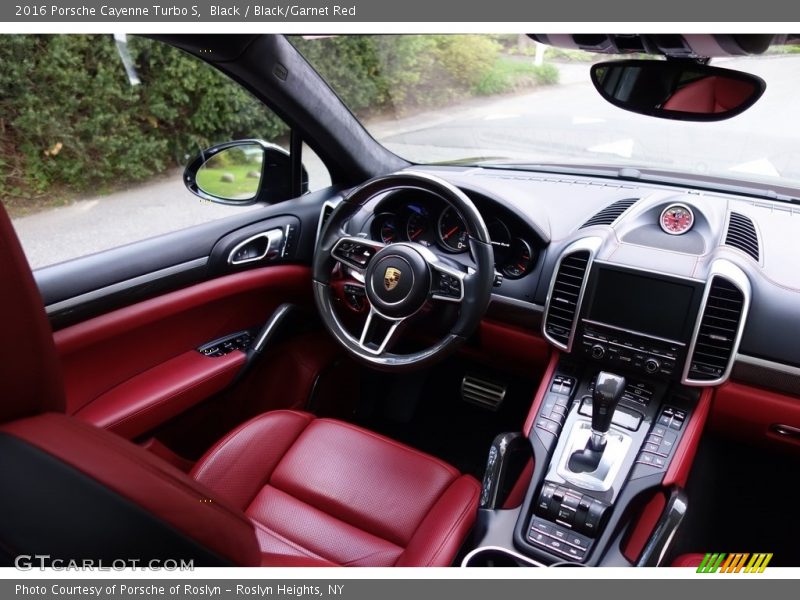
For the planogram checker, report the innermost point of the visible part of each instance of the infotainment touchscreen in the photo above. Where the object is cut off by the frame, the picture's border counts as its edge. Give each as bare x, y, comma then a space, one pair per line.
645, 304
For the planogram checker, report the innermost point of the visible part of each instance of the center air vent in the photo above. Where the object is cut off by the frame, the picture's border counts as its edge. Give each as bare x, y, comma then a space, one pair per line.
719, 329
742, 235
610, 213
562, 307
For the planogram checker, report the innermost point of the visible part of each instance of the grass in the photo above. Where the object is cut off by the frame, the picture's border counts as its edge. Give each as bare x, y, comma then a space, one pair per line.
508, 75
213, 181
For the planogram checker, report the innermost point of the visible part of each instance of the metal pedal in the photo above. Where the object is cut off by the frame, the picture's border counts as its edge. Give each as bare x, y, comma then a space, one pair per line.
483, 393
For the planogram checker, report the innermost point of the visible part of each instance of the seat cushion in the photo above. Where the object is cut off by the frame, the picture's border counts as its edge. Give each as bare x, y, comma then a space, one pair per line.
688, 560
326, 490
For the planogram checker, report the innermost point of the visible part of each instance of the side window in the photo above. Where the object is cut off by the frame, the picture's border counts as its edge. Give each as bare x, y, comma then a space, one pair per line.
92, 154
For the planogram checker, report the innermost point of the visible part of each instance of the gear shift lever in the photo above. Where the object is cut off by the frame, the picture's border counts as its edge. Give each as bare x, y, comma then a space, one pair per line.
608, 390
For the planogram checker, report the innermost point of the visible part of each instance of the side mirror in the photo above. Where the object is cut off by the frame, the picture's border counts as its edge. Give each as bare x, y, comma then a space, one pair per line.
241, 173
683, 90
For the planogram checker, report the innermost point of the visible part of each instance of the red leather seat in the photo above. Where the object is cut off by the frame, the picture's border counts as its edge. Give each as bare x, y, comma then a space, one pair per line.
282, 489
710, 95
323, 489
688, 560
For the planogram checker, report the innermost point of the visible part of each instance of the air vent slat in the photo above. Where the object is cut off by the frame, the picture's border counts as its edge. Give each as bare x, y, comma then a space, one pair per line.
742, 235
610, 213
563, 303
714, 345
482, 393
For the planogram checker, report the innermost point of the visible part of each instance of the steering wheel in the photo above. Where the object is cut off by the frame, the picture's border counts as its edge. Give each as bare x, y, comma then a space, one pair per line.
402, 279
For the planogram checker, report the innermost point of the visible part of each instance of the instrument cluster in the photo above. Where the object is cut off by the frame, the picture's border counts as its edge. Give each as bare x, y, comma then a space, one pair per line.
435, 224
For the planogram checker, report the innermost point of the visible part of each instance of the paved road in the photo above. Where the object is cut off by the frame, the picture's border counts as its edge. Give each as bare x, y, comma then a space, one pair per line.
565, 122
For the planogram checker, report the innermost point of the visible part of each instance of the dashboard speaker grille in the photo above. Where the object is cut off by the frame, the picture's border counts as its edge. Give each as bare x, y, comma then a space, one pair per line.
716, 336
610, 213
563, 305
742, 235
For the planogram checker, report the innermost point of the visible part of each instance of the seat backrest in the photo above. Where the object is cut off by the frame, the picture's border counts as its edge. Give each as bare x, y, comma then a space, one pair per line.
30, 377
73, 491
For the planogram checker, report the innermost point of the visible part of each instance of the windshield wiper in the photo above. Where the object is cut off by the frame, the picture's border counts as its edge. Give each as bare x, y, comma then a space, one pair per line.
644, 175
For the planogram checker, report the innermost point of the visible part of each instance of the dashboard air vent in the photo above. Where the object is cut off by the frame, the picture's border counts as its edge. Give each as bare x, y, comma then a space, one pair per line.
742, 235
716, 336
610, 213
563, 305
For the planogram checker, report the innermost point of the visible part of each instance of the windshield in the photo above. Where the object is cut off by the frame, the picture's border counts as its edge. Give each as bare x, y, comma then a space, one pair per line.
479, 98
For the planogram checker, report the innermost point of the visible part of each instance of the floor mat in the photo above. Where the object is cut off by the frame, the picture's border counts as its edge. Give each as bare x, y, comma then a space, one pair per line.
425, 411
742, 499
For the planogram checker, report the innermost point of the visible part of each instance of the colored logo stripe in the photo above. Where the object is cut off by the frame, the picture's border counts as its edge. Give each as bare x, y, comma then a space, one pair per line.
734, 563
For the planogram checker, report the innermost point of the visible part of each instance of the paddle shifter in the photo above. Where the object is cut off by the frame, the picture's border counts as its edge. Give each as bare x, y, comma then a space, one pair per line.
607, 392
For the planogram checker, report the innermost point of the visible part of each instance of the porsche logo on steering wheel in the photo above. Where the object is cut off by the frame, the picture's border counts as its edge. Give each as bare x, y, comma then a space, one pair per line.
391, 277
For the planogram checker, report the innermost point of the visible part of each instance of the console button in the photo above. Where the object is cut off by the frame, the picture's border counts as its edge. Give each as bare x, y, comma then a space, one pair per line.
548, 425
649, 447
659, 461
578, 540
566, 516
546, 497
659, 430
593, 517
542, 526
558, 494
571, 501
667, 443
576, 553
666, 421
646, 458
538, 537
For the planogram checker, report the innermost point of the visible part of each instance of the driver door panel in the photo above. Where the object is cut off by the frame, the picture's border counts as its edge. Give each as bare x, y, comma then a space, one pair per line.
132, 363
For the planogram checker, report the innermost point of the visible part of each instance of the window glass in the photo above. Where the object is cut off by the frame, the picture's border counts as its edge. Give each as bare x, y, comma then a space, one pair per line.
92, 154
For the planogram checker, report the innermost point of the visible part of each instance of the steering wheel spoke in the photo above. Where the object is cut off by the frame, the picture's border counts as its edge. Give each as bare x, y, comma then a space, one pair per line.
447, 283
379, 332
355, 252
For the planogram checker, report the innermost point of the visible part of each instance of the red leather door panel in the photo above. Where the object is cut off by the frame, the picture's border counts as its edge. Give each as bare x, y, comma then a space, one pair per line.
133, 368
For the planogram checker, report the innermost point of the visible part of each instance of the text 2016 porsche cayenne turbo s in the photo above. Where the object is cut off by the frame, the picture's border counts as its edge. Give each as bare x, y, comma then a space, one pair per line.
543, 309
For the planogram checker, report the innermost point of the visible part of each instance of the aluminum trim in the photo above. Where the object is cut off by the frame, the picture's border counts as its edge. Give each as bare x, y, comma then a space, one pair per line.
275, 239
125, 285
511, 553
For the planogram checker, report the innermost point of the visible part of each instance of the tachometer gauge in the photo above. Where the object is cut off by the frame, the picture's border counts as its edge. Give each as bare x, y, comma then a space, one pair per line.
676, 219
418, 227
521, 259
387, 228
452, 231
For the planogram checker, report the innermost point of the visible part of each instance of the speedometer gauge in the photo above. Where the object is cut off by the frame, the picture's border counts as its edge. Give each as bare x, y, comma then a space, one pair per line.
452, 231
676, 219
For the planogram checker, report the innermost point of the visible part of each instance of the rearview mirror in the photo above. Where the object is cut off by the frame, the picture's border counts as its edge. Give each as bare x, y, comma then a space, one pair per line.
683, 90
241, 173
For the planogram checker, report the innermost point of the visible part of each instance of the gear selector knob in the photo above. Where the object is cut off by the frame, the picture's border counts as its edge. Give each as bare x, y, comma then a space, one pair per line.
607, 392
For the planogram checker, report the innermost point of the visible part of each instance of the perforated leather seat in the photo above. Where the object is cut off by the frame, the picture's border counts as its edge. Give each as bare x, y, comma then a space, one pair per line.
282, 489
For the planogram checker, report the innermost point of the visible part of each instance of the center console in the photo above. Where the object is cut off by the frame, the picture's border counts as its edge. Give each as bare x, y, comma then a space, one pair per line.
620, 409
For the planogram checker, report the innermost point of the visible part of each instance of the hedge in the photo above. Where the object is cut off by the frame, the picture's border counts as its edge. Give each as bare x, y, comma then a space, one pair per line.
70, 121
